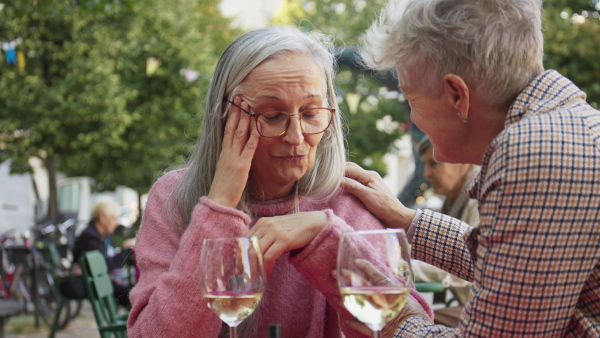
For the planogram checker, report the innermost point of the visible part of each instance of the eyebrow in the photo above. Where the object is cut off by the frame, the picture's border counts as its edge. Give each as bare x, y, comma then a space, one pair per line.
308, 96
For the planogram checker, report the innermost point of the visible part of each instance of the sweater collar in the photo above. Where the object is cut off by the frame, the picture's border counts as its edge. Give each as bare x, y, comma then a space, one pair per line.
275, 207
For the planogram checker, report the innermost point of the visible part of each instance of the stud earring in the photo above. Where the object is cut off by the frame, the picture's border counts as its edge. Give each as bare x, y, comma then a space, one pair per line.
461, 118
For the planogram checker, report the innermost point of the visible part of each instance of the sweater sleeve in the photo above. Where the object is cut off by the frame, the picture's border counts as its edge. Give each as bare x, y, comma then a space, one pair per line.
167, 301
316, 261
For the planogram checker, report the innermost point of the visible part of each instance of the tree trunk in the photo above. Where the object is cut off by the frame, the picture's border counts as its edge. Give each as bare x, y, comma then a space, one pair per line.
53, 192
138, 220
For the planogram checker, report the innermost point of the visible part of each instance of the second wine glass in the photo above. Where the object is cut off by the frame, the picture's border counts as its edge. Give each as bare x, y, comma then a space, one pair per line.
232, 278
374, 275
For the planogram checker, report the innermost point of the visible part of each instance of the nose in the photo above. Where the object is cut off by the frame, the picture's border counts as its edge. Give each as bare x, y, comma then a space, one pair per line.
427, 172
293, 135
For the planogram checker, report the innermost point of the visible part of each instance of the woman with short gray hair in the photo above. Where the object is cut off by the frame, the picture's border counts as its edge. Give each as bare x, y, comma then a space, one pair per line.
268, 163
472, 73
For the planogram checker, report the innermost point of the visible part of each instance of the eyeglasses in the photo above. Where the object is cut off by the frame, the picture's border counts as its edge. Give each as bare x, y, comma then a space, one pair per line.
275, 123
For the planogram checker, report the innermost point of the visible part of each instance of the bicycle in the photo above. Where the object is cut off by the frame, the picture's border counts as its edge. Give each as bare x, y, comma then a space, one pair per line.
28, 277
50, 239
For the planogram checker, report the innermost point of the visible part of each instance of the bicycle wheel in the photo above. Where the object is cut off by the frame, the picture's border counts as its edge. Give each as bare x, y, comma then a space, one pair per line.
75, 308
48, 298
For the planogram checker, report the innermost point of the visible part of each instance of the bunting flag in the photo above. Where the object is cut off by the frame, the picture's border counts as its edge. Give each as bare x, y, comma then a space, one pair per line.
152, 64
11, 56
21, 60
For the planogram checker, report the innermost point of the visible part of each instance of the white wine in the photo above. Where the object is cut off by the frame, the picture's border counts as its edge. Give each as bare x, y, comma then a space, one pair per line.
373, 305
232, 307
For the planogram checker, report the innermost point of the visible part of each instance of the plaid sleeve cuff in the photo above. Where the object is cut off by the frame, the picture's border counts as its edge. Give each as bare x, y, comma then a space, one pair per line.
421, 327
413, 226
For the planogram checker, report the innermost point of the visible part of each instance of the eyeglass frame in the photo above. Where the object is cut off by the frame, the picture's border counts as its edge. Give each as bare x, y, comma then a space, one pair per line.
257, 115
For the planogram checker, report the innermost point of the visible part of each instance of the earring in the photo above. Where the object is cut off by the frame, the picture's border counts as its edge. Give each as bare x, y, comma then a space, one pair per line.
461, 118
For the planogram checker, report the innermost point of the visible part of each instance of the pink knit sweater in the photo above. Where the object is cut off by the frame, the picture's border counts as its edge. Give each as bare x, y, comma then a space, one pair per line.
299, 294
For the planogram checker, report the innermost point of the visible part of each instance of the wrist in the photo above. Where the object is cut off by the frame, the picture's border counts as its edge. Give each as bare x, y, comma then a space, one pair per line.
404, 217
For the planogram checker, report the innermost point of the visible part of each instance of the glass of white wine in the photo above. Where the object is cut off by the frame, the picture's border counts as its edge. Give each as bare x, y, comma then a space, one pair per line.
374, 275
232, 278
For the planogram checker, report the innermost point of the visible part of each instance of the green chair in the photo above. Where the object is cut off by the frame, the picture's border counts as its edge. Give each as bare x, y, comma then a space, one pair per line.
100, 294
430, 287
435, 288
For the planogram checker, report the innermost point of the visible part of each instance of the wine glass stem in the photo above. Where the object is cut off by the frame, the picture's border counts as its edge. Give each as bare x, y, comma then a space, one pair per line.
376, 334
233, 332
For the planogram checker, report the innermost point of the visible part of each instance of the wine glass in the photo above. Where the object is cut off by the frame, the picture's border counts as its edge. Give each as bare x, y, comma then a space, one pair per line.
374, 275
232, 278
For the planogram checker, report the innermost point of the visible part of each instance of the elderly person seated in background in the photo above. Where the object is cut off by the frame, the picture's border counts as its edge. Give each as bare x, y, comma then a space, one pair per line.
268, 162
473, 74
97, 236
452, 181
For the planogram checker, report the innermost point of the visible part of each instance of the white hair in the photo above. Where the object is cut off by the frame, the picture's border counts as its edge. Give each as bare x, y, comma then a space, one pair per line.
495, 46
105, 206
238, 60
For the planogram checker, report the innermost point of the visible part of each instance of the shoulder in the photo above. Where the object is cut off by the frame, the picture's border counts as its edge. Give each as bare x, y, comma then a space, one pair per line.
551, 136
169, 180
90, 232
341, 202
165, 184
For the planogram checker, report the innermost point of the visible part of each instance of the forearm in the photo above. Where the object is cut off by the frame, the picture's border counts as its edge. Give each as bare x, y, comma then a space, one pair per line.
316, 262
168, 290
437, 239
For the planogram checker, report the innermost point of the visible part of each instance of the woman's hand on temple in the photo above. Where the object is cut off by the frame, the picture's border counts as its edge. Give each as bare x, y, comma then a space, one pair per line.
239, 143
370, 188
280, 234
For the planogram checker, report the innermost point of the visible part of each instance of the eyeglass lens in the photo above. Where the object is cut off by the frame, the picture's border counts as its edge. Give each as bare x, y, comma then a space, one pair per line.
275, 123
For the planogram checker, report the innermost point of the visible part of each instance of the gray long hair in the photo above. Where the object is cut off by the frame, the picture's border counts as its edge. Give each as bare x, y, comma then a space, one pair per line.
238, 60
496, 46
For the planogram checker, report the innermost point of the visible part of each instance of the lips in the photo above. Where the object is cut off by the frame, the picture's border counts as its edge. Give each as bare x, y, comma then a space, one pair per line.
291, 157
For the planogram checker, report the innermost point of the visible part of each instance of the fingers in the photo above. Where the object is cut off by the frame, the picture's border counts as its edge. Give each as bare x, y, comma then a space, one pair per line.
358, 326
240, 140
238, 126
375, 276
353, 187
252, 142
355, 172
233, 118
265, 242
280, 234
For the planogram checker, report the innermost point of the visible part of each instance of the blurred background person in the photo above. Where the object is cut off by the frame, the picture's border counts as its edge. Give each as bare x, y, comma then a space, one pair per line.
452, 181
97, 236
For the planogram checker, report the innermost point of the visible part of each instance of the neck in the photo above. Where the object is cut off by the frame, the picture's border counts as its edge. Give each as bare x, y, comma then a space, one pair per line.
485, 123
100, 228
270, 191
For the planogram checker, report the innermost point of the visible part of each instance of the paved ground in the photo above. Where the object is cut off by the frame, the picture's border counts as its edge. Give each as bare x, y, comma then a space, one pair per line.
83, 326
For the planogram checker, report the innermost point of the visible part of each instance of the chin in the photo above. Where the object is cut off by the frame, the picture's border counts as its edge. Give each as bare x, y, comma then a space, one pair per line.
440, 156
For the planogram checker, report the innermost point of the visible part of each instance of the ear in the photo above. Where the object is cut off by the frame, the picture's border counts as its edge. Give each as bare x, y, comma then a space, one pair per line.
457, 92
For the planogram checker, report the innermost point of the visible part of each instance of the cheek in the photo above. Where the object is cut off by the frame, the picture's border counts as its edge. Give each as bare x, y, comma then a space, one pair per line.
262, 149
313, 143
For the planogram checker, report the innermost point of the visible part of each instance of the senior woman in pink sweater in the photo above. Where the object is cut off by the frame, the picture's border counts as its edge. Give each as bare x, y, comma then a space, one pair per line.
268, 162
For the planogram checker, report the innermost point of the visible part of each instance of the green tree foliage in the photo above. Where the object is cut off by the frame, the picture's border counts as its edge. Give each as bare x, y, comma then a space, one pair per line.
572, 33
84, 99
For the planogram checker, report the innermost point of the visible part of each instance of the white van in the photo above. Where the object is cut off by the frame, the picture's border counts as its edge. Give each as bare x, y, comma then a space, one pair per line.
18, 200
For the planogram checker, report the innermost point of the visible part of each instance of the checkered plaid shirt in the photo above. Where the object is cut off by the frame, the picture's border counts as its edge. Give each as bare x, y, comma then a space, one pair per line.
535, 257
